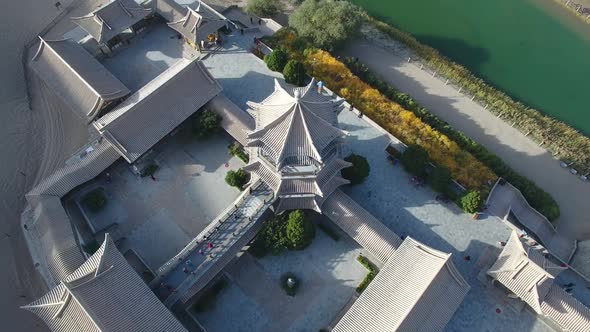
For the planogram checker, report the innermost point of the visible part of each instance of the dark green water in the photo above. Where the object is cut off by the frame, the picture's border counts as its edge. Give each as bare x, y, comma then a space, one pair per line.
534, 50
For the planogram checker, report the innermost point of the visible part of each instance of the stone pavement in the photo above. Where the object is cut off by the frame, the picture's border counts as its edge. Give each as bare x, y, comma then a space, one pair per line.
408, 210
518, 151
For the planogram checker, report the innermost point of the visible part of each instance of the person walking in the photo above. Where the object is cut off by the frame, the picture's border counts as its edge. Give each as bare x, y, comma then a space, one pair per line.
320, 86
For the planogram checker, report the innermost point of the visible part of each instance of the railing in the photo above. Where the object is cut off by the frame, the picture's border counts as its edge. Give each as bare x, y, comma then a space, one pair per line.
208, 231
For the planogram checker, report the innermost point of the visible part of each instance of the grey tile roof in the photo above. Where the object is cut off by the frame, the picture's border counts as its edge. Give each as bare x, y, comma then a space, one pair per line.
83, 83
236, 122
198, 23
51, 226
298, 125
170, 10
145, 117
530, 276
418, 289
111, 19
104, 294
360, 225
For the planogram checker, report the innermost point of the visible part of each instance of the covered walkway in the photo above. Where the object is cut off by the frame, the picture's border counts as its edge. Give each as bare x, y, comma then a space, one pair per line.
193, 267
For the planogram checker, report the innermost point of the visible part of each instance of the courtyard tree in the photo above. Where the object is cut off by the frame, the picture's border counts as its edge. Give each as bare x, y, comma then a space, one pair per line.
326, 23
237, 178
276, 60
440, 178
294, 72
414, 159
358, 171
471, 202
95, 200
300, 231
271, 238
206, 123
264, 8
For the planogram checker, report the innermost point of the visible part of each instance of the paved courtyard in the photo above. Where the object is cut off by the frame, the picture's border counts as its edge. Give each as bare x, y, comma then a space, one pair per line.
255, 301
157, 218
408, 210
148, 55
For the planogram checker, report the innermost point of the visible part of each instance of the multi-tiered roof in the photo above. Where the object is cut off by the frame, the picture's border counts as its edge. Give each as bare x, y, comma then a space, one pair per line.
295, 147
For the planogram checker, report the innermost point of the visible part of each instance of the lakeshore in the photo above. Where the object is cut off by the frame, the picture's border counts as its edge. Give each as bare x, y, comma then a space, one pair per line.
528, 62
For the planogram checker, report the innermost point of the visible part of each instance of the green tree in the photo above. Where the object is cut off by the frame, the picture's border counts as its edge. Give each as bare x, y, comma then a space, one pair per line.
206, 123
358, 171
414, 159
276, 60
294, 72
440, 178
471, 202
237, 178
300, 230
95, 200
264, 8
326, 23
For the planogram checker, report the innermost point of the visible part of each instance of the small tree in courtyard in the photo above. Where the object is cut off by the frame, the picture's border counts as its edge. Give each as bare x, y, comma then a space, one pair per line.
300, 230
471, 202
237, 178
206, 123
276, 60
95, 200
264, 8
294, 72
414, 159
358, 171
439, 179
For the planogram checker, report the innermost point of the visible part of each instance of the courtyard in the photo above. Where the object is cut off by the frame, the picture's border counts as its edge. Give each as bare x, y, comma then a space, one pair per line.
328, 272
157, 217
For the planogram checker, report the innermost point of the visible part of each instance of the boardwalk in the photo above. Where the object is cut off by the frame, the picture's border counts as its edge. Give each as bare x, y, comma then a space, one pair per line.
186, 273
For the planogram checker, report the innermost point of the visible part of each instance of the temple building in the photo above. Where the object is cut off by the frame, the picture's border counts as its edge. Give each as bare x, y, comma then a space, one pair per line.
105, 23
104, 294
530, 276
295, 147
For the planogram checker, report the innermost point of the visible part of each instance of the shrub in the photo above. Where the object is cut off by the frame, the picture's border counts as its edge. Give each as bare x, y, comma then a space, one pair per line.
237, 178
149, 170
439, 179
271, 238
414, 159
206, 123
326, 23
294, 72
95, 200
370, 276
263, 8
291, 291
470, 202
236, 149
559, 138
358, 171
300, 231
277, 60
537, 197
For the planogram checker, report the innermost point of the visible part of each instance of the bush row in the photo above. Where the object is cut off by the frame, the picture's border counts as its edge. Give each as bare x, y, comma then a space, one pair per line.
537, 197
562, 140
370, 276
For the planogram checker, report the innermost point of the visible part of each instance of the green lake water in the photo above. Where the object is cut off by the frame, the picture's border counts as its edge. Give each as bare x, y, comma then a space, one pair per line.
534, 50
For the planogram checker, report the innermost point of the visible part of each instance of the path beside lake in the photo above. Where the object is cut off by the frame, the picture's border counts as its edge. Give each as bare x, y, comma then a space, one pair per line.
508, 143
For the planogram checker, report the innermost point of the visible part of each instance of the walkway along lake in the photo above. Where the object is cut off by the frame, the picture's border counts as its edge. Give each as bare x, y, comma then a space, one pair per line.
533, 50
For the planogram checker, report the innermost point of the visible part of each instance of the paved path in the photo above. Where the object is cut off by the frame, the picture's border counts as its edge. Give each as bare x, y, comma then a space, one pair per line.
193, 263
519, 152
